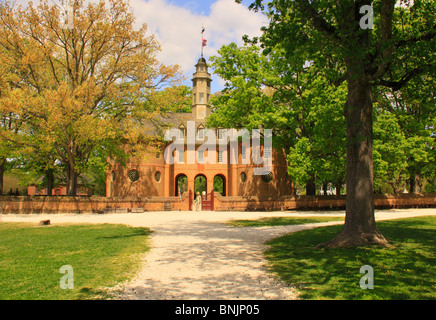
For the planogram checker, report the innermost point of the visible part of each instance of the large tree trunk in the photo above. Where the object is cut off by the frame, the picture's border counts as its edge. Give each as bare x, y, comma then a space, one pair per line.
2, 171
324, 188
338, 187
414, 182
50, 182
71, 181
311, 187
359, 228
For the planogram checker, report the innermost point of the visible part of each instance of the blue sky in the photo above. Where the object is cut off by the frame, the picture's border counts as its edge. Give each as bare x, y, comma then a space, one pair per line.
177, 24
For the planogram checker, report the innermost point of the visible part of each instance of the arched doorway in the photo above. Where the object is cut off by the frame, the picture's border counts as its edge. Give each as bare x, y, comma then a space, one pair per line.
219, 184
200, 184
181, 184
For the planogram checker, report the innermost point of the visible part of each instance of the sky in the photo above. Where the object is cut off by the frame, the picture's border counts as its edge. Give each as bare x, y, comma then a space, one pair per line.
177, 24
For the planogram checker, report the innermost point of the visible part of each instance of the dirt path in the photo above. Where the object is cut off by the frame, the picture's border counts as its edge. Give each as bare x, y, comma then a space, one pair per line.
197, 256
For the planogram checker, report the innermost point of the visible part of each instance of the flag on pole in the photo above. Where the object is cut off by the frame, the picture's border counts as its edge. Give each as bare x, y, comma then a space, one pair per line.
203, 41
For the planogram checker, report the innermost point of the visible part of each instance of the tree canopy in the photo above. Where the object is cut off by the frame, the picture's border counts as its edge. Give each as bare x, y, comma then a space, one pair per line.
77, 87
386, 46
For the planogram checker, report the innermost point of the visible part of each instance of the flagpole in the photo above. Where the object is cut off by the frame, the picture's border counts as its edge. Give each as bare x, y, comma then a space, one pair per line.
202, 39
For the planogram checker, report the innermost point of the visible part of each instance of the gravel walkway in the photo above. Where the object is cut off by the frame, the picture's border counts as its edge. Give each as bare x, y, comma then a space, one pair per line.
196, 256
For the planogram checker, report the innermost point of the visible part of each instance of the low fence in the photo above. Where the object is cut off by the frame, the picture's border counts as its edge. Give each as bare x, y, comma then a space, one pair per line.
63, 204
381, 201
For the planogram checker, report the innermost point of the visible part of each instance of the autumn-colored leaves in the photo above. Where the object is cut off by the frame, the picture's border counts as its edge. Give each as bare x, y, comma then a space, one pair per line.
66, 91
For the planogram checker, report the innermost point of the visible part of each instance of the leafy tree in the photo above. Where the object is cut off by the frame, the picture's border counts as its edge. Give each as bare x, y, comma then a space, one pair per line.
10, 120
390, 159
337, 37
82, 84
301, 107
413, 107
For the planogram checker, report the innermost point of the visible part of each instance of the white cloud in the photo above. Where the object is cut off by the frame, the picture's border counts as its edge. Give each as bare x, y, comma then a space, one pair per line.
179, 29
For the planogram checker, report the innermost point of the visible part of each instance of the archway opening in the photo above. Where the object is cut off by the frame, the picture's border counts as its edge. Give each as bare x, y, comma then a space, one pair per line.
181, 184
219, 184
200, 184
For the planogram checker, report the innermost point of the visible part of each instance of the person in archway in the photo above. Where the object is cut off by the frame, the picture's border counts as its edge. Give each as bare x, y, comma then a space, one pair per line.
197, 206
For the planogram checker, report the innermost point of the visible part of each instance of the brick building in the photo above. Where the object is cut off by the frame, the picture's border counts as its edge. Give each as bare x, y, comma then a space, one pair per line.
196, 162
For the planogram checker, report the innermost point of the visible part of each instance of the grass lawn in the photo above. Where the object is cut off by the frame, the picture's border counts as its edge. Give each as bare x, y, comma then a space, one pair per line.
407, 270
281, 221
101, 255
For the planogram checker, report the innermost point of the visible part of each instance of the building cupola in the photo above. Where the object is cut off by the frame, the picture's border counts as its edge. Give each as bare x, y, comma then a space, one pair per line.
201, 90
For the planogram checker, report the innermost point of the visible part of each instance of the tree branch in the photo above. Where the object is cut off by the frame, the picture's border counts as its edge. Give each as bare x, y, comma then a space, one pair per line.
397, 85
317, 21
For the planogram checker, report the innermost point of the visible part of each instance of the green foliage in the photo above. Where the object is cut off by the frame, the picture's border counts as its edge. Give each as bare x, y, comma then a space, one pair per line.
294, 80
200, 184
218, 184
413, 109
301, 107
390, 159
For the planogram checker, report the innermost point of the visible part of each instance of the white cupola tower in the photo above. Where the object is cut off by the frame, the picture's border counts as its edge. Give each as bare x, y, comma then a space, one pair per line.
201, 91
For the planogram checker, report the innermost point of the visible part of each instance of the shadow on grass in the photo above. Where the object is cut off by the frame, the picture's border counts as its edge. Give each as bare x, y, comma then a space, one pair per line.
281, 221
134, 232
405, 271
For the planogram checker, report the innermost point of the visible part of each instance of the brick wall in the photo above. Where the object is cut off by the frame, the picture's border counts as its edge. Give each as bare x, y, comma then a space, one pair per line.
381, 201
44, 204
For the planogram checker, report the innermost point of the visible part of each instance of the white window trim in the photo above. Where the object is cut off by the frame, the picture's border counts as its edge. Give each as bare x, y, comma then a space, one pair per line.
200, 156
198, 134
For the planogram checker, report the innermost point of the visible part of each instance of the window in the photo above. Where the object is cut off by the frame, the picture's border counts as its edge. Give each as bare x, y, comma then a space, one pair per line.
221, 133
200, 134
243, 177
220, 156
181, 156
182, 132
267, 152
133, 175
244, 152
157, 176
201, 98
200, 156
267, 177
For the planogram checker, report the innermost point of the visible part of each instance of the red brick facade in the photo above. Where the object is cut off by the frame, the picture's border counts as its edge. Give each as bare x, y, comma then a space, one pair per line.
154, 175
158, 178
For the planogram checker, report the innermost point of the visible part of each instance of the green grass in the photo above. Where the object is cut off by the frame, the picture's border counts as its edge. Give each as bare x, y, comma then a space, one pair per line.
281, 221
407, 270
101, 256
